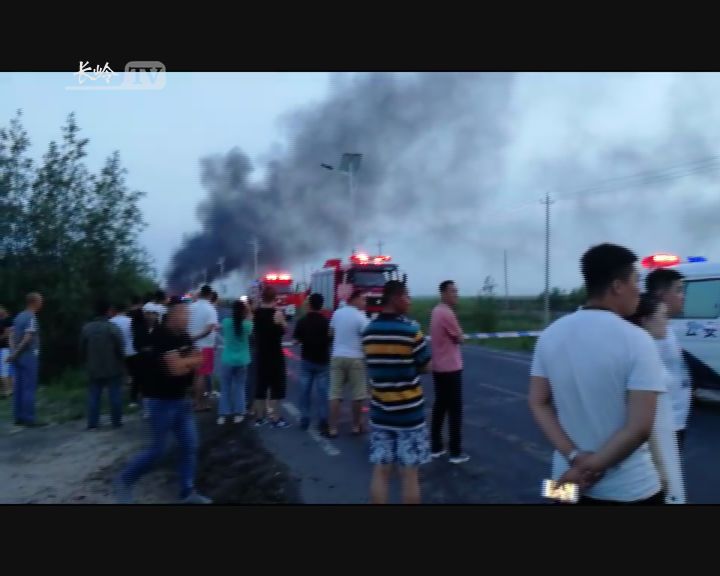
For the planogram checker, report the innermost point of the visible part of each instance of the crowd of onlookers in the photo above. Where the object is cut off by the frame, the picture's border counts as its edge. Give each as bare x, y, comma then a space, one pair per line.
610, 387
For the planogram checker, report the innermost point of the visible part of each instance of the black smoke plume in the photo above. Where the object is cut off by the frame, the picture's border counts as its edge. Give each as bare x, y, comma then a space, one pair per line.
428, 141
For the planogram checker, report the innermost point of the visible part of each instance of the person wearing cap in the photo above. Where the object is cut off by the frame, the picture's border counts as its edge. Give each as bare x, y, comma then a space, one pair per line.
161, 300
142, 342
173, 362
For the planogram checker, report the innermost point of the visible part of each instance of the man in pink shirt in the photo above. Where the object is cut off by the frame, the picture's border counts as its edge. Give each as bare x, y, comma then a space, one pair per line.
447, 336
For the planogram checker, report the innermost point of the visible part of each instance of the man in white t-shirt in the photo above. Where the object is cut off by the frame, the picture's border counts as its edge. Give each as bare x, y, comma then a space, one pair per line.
347, 361
202, 324
124, 323
595, 379
666, 285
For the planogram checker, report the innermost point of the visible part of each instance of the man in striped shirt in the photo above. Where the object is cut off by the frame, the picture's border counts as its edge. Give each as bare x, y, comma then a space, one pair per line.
396, 354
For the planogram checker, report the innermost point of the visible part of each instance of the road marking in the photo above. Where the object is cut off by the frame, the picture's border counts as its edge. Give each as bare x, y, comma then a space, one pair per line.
326, 446
504, 390
515, 359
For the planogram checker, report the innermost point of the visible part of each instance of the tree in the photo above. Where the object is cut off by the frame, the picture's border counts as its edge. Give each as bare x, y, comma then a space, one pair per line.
74, 236
15, 177
489, 285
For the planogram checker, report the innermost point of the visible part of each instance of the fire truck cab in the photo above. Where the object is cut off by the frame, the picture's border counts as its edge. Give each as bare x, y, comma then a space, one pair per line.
698, 327
288, 299
337, 280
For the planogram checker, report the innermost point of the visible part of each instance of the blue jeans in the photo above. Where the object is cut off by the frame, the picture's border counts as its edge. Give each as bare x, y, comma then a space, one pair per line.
166, 416
26, 379
114, 386
233, 380
317, 376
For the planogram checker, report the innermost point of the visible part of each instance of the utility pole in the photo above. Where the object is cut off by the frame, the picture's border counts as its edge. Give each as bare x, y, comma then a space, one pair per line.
546, 316
507, 291
380, 246
221, 263
204, 275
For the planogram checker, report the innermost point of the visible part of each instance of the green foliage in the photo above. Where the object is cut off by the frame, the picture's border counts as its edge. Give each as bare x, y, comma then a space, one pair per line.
563, 301
68, 234
63, 399
486, 314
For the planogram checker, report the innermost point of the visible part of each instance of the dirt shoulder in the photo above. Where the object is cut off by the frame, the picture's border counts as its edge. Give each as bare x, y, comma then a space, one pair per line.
65, 464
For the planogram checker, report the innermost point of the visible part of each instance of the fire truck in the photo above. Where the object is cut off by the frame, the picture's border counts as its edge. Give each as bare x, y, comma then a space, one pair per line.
337, 280
289, 297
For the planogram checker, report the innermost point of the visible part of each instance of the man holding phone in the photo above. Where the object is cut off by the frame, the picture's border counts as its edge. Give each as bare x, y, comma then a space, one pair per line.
174, 361
595, 379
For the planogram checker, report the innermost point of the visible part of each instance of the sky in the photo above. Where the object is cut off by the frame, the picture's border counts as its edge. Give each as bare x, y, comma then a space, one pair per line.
555, 133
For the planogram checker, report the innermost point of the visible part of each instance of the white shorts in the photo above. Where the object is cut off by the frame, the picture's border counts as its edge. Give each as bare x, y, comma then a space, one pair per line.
4, 366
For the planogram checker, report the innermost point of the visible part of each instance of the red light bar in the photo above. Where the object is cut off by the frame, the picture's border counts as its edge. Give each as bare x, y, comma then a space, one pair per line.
661, 260
271, 277
363, 258
284, 277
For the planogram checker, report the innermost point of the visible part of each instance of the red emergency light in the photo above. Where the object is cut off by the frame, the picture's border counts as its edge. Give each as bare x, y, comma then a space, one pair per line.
363, 258
278, 277
661, 260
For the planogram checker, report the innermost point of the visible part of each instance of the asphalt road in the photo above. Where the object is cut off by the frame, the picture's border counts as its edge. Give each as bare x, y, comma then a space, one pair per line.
509, 456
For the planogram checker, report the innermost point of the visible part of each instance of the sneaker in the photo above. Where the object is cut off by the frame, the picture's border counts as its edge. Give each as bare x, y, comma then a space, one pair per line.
239, 419
132, 405
123, 492
221, 420
196, 498
439, 453
215, 394
461, 459
305, 423
281, 423
323, 428
260, 422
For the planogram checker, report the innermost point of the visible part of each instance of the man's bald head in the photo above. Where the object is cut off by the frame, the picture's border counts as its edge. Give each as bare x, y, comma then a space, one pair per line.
34, 300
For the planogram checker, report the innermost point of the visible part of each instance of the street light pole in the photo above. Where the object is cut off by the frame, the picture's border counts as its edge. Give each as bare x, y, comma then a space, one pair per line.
351, 222
349, 165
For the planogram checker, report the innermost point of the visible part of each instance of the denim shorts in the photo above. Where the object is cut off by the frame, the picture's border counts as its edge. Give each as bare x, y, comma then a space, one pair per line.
408, 448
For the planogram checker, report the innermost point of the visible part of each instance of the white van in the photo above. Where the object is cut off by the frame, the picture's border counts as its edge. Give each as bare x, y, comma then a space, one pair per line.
698, 328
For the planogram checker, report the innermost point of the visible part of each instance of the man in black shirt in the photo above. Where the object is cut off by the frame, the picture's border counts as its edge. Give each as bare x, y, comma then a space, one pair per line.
174, 361
313, 332
269, 328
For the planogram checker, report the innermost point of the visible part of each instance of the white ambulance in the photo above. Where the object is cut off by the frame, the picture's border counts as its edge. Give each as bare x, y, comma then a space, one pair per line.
698, 328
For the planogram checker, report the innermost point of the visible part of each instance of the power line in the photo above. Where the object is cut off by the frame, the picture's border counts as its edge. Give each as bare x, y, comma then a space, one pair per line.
673, 172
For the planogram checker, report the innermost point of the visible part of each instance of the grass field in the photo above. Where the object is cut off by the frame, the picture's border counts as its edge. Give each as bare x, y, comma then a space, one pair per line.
63, 400
476, 316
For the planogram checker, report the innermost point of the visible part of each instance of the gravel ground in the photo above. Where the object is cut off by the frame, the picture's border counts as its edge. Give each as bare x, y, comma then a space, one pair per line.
65, 464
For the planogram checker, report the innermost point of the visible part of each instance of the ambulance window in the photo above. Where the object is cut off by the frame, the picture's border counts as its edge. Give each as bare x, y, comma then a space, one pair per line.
702, 299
